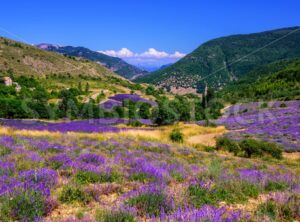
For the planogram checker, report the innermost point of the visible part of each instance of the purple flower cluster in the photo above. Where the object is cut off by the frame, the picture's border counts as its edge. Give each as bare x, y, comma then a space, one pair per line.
44, 176
110, 104
132, 97
89, 126
122, 164
262, 178
205, 213
274, 124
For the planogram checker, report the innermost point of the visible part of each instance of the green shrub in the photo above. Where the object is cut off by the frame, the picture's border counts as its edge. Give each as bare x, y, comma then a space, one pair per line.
264, 105
251, 147
273, 149
268, 209
283, 105
141, 177
79, 214
134, 123
176, 136
274, 186
224, 143
114, 216
177, 176
4, 151
214, 169
72, 194
200, 196
55, 164
24, 206
259, 148
86, 177
230, 192
276, 211
209, 149
149, 203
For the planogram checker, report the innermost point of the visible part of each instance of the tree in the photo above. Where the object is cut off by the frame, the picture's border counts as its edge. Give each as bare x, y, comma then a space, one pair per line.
80, 87
87, 88
69, 104
145, 111
163, 114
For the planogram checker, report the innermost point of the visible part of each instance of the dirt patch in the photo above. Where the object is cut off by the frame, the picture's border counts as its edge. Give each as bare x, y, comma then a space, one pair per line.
205, 139
37, 64
292, 156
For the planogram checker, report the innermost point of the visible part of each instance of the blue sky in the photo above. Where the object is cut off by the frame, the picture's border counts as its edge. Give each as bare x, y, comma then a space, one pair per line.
167, 26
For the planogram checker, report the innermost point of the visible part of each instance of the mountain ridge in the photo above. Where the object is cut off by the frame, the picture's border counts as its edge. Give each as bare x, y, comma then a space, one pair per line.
226, 59
115, 64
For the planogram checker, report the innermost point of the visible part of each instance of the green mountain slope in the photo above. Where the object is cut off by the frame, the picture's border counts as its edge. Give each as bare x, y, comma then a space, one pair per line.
116, 65
55, 71
223, 60
23, 59
276, 81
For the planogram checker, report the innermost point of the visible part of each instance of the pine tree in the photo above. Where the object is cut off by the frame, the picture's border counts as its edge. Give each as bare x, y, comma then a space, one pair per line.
87, 87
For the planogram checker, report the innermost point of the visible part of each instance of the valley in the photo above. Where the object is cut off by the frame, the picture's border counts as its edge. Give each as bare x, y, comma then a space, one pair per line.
79, 141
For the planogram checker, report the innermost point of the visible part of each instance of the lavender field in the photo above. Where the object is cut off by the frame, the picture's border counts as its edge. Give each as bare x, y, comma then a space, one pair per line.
277, 122
94, 177
117, 100
104, 125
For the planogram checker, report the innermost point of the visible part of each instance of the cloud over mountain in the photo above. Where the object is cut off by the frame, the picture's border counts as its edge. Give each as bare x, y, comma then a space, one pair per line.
151, 57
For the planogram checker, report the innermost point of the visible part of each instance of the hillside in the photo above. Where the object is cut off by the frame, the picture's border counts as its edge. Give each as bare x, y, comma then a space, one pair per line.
56, 71
223, 60
276, 81
23, 59
116, 65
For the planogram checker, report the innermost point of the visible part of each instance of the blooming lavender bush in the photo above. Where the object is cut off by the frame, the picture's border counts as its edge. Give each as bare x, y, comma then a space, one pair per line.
274, 124
133, 179
89, 126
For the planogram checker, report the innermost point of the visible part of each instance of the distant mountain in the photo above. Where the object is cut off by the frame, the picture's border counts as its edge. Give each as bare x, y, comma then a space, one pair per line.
276, 81
116, 65
223, 60
165, 66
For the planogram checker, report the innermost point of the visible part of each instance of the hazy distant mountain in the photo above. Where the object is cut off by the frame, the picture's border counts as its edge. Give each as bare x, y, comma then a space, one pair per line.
116, 65
223, 60
165, 66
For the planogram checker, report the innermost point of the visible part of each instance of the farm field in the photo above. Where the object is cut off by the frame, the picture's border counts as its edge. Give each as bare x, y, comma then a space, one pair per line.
277, 122
112, 113
138, 175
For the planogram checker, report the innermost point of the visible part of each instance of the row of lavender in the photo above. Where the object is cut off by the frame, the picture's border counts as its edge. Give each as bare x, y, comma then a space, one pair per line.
103, 125
117, 100
277, 122
151, 180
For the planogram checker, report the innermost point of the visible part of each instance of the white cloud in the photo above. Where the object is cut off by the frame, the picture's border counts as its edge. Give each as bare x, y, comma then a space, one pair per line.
122, 53
153, 53
150, 53
177, 55
151, 57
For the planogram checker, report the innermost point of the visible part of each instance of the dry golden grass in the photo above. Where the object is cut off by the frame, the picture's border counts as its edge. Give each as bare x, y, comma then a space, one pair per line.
193, 134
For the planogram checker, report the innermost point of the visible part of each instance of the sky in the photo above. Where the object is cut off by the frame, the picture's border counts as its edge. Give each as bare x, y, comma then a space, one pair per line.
142, 32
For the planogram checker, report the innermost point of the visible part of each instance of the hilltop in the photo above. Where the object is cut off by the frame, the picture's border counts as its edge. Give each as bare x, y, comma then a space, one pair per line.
115, 64
224, 60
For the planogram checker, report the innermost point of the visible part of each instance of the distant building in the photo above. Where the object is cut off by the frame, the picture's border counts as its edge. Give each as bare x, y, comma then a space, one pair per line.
7, 81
